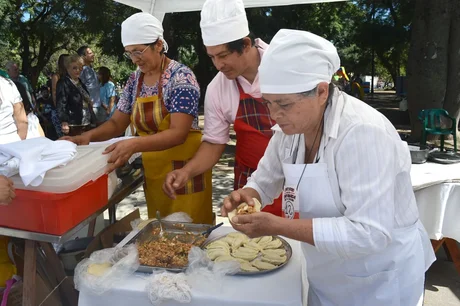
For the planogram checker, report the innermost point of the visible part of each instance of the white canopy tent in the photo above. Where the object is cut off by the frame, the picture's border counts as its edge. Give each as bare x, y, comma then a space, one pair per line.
159, 8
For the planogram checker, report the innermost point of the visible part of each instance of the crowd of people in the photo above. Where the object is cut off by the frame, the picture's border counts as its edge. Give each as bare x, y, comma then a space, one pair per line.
74, 100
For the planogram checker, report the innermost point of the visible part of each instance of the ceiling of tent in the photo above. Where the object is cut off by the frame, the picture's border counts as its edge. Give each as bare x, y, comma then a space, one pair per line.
160, 7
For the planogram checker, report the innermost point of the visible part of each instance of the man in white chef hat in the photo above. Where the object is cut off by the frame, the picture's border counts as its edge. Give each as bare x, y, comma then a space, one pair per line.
233, 97
344, 169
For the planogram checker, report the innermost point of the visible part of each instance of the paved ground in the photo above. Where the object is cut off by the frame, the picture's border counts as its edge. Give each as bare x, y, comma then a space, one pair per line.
442, 280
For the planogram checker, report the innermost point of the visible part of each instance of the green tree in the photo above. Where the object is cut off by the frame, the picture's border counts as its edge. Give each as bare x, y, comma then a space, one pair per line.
40, 29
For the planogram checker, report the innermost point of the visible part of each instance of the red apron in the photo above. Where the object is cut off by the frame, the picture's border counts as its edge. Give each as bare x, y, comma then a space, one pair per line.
253, 132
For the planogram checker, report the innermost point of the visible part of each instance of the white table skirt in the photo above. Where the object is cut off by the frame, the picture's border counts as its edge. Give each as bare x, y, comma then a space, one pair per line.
282, 287
439, 209
437, 191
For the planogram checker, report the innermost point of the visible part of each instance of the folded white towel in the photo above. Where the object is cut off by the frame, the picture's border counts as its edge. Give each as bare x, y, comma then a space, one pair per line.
36, 156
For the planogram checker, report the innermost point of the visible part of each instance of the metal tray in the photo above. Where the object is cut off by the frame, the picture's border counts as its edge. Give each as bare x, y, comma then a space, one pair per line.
186, 232
284, 245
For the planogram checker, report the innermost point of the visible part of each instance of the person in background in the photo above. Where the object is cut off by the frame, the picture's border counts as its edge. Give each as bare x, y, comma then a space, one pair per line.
13, 71
34, 128
108, 93
232, 97
89, 77
161, 99
61, 72
13, 118
48, 110
73, 101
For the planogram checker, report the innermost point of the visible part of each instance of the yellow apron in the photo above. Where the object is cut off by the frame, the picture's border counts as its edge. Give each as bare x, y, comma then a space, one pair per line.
150, 116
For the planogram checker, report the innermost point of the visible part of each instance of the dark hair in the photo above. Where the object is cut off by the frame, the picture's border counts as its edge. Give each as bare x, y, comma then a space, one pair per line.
238, 45
82, 50
62, 71
105, 74
152, 46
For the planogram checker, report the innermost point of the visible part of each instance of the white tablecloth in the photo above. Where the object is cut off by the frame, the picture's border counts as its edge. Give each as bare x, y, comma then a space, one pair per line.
429, 174
437, 191
282, 287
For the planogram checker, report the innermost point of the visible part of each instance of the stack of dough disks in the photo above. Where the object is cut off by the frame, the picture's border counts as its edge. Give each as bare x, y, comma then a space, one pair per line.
258, 254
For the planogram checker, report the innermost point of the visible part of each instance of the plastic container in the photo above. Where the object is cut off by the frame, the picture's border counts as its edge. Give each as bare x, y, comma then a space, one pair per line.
67, 196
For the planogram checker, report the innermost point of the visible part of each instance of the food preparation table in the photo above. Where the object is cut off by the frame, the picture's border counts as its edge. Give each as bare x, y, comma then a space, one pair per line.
282, 287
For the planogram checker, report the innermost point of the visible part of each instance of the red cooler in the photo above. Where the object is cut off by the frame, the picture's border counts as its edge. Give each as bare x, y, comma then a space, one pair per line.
67, 196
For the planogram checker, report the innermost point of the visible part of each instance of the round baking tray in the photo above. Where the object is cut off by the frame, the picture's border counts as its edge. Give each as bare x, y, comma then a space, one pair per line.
284, 245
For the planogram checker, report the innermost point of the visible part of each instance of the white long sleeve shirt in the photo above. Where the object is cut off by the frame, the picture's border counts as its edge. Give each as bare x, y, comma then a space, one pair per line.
369, 172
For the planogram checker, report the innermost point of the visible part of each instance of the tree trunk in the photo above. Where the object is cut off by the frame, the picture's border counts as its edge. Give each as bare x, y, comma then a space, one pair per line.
428, 59
452, 101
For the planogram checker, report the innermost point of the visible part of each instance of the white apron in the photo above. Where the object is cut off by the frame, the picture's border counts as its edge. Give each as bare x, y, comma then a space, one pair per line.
393, 277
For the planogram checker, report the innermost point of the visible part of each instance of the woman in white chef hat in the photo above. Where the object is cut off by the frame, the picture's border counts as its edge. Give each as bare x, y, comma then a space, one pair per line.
346, 173
161, 100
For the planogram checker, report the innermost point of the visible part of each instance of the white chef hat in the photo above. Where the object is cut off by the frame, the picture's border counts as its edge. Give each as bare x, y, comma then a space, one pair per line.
297, 61
141, 29
223, 21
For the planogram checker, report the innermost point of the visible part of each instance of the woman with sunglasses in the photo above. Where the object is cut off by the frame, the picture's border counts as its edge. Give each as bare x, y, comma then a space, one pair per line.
161, 101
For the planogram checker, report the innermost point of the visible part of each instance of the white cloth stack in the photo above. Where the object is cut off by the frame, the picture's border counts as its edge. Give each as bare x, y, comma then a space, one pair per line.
32, 158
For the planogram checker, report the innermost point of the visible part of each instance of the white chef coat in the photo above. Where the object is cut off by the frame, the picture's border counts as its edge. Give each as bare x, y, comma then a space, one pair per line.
369, 173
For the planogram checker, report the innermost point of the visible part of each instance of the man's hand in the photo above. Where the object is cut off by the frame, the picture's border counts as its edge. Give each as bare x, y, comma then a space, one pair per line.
175, 180
121, 153
7, 193
81, 140
257, 224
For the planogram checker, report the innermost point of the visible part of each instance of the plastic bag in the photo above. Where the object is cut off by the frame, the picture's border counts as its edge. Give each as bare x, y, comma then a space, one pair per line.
201, 271
168, 286
104, 268
199, 265
178, 217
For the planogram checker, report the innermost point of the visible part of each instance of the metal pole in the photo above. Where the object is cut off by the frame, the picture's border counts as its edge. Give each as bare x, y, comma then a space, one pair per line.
373, 50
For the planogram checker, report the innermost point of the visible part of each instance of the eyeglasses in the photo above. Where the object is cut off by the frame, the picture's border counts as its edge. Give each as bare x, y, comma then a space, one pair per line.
137, 54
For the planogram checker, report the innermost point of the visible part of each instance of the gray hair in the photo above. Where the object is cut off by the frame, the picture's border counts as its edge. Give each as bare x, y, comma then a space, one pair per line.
313, 91
10, 65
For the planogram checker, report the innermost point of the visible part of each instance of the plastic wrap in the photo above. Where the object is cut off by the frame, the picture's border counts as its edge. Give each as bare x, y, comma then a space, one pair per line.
178, 217
201, 271
105, 268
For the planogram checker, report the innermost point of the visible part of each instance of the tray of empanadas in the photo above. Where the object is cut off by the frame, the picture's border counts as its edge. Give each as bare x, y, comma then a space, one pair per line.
256, 256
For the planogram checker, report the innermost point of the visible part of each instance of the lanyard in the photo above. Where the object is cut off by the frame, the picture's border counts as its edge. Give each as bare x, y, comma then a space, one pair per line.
307, 154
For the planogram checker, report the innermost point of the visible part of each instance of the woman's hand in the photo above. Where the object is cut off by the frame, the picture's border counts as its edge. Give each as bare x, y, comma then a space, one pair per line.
258, 224
7, 193
65, 127
81, 140
121, 153
236, 198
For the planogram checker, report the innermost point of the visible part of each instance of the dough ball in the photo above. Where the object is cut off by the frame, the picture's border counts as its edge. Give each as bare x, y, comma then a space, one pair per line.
99, 269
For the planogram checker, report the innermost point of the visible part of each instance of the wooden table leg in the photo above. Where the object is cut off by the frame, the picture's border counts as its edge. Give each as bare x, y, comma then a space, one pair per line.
454, 252
67, 286
91, 228
437, 244
30, 268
